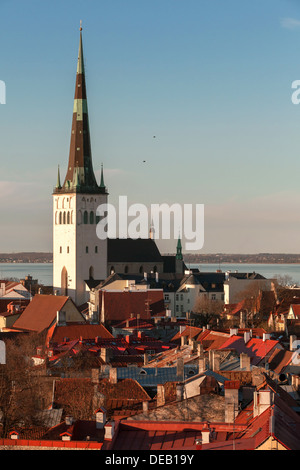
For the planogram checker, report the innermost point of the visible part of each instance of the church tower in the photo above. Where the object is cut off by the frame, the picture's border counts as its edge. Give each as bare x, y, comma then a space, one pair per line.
79, 256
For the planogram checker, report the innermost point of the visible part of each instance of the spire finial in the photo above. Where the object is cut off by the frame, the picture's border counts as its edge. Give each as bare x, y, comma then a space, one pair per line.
80, 29
102, 185
58, 185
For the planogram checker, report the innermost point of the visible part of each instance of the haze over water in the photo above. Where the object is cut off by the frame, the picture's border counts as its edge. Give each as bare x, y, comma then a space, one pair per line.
43, 271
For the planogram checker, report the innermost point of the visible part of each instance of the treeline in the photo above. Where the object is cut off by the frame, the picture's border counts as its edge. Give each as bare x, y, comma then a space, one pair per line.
263, 258
29, 257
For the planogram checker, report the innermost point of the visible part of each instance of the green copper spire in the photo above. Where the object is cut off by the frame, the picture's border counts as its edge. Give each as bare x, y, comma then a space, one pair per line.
179, 250
58, 185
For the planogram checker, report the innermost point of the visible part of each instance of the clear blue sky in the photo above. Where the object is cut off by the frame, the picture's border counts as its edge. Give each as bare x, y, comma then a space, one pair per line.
210, 79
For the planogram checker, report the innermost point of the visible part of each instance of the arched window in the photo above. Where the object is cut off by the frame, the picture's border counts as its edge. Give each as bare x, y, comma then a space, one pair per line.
96, 249
126, 269
155, 269
91, 217
60, 217
64, 281
91, 272
68, 218
85, 217
112, 270
64, 218
141, 270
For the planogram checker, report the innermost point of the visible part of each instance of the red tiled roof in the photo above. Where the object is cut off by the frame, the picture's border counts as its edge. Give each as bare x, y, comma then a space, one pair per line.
119, 306
76, 331
41, 312
296, 310
256, 348
211, 339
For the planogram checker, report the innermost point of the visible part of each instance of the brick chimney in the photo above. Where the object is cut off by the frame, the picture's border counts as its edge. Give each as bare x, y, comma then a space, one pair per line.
245, 362
160, 396
231, 400
113, 375
180, 368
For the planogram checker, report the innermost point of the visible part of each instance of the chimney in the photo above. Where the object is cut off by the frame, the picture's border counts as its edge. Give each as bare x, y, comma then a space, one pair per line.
213, 359
245, 362
109, 430
69, 420
145, 407
231, 400
184, 340
95, 376
106, 354
100, 418
205, 434
247, 336
293, 342
266, 336
179, 392
200, 349
234, 331
216, 361
160, 396
113, 378
202, 367
262, 400
180, 368
145, 359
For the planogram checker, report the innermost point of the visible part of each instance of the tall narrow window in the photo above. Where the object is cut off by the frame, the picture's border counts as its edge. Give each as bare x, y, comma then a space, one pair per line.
96, 249
85, 217
86, 249
92, 218
64, 281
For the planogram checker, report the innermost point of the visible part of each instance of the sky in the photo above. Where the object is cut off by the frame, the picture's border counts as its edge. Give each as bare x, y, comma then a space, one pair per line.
211, 80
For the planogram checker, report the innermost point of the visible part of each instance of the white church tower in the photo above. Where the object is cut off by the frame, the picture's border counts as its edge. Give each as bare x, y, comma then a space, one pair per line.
79, 256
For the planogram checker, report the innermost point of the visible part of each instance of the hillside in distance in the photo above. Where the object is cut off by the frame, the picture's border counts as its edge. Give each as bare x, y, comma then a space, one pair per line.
189, 258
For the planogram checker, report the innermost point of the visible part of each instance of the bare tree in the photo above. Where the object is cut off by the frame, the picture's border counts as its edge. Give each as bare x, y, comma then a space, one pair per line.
19, 384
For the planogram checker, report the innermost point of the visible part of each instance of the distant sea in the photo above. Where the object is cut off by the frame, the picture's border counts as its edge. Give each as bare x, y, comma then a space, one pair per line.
43, 271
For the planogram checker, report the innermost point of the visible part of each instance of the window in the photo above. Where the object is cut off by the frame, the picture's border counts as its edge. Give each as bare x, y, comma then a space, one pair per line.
85, 217
213, 296
92, 218
60, 249
96, 249
68, 249
86, 249
64, 218
126, 269
68, 218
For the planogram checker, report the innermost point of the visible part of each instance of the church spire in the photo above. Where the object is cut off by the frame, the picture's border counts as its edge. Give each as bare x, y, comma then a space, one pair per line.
179, 250
80, 175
